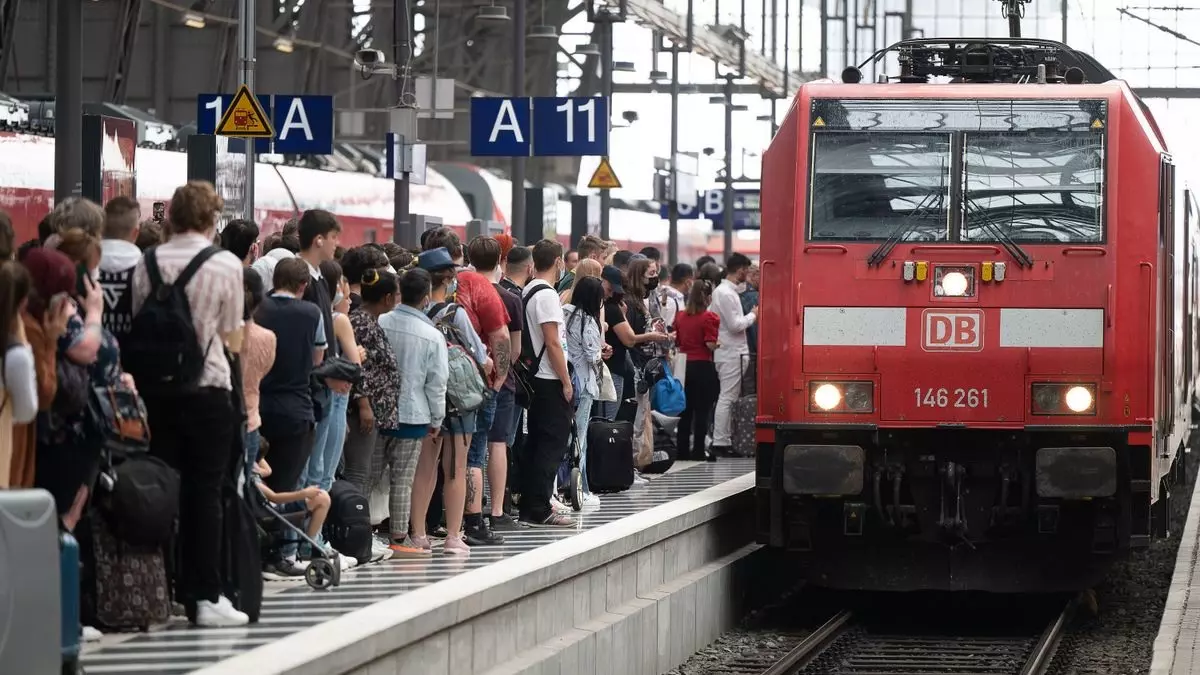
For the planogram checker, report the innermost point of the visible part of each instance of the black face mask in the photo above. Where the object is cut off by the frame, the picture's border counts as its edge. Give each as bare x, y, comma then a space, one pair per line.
652, 284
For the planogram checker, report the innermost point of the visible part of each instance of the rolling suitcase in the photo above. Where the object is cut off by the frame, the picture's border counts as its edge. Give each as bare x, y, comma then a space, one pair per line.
31, 586
127, 585
69, 584
348, 526
742, 420
609, 455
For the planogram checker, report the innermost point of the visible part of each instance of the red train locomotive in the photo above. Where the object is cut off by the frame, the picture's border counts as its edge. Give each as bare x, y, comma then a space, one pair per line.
977, 342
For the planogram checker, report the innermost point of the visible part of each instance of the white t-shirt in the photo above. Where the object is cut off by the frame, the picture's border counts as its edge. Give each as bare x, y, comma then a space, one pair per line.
542, 309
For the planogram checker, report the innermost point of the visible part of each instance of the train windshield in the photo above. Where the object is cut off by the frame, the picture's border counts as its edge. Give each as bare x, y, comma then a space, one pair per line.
1042, 186
871, 185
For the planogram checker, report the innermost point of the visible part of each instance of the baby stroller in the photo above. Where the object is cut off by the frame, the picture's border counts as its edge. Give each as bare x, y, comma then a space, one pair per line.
570, 476
324, 570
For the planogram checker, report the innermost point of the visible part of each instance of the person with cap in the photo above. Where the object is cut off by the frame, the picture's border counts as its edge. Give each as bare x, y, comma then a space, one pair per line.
451, 445
620, 337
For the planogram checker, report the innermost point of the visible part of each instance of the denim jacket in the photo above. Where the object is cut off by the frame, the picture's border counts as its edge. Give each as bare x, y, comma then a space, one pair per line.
421, 356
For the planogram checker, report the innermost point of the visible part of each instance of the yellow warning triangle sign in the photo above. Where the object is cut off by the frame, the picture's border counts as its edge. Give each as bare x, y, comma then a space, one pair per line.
1097, 124
819, 122
245, 118
604, 178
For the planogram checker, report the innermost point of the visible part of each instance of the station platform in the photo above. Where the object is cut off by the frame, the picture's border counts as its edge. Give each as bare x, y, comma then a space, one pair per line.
404, 601
1177, 646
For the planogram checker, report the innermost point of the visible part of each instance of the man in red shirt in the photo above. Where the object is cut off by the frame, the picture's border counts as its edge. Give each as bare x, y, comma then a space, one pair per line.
476, 294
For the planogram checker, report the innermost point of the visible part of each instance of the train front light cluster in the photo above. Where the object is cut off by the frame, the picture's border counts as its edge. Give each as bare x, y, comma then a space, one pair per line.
1056, 398
841, 397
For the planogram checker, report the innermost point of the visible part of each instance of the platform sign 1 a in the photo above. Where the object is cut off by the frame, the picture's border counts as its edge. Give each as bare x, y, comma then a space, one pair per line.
302, 125
541, 127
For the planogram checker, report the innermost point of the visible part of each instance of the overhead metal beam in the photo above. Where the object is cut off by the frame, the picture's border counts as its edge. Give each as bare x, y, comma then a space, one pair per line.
8, 30
1168, 92
707, 42
121, 56
712, 88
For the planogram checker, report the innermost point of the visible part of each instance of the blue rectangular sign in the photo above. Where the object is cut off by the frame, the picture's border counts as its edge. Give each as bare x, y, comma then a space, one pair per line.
570, 127
500, 127
303, 124
711, 204
210, 108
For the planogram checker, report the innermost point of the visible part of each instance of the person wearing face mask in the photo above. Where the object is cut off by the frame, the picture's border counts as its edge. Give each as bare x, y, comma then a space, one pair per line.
729, 357
673, 296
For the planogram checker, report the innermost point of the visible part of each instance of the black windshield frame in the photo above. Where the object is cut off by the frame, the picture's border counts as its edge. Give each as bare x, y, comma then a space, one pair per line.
959, 212
931, 202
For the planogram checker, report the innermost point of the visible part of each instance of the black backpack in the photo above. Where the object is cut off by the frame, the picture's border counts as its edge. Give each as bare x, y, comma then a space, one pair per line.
348, 526
162, 351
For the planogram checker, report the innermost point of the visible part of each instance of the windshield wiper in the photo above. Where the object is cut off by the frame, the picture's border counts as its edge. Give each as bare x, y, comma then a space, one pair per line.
993, 228
910, 223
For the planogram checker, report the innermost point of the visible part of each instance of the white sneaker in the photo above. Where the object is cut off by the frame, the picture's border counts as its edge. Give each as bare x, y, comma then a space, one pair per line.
219, 614
347, 561
639, 479
591, 502
90, 634
380, 550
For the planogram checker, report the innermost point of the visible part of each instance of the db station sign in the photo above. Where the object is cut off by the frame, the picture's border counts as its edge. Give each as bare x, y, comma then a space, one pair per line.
956, 330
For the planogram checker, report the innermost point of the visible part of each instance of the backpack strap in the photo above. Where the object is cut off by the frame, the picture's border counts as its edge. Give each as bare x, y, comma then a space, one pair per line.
433, 311
192, 267
152, 269
526, 339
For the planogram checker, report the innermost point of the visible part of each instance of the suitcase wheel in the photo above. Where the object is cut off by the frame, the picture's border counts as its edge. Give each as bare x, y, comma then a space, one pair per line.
576, 489
323, 573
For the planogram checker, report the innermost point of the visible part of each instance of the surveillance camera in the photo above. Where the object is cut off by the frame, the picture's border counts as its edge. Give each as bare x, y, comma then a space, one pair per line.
630, 116
370, 57
708, 152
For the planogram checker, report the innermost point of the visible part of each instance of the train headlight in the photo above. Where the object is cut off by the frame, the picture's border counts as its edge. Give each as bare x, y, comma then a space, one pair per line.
827, 397
841, 397
954, 284
1054, 398
1079, 399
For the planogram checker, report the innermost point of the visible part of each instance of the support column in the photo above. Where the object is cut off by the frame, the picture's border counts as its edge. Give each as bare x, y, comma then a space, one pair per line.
246, 47
518, 89
606, 84
728, 214
68, 108
401, 220
673, 204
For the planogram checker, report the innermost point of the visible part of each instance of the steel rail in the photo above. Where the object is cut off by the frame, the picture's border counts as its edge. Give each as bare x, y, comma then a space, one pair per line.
1043, 652
811, 646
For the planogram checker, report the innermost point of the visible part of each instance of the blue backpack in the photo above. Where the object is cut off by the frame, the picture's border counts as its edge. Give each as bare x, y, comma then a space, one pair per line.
666, 396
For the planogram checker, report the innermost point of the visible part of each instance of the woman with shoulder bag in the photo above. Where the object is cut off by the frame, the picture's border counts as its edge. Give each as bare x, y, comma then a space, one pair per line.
585, 348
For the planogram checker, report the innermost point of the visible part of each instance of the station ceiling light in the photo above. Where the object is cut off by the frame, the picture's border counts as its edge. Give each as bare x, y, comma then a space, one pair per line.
492, 12
284, 44
194, 17
588, 49
658, 75
624, 67
543, 32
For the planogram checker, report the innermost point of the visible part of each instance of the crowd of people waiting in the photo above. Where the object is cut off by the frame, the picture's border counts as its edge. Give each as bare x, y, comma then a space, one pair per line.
322, 363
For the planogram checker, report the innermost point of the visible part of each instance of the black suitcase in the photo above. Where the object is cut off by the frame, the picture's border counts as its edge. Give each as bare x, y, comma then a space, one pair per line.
241, 554
348, 527
609, 455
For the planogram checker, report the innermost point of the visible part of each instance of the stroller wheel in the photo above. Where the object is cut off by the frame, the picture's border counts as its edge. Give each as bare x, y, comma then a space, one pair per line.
576, 489
320, 573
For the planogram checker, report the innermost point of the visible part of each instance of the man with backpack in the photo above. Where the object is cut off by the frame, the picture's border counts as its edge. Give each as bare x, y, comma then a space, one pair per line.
545, 376
187, 308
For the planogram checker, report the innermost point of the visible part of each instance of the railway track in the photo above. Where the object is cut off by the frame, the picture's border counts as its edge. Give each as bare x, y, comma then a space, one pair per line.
844, 645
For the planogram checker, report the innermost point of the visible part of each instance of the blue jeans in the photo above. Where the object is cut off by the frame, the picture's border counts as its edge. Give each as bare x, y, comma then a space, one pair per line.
608, 409
477, 454
328, 442
251, 443
582, 414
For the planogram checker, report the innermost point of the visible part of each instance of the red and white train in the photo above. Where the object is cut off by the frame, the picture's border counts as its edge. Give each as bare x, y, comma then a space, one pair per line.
978, 344
455, 193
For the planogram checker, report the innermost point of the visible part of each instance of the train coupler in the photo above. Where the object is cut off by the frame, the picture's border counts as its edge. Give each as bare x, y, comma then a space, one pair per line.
951, 518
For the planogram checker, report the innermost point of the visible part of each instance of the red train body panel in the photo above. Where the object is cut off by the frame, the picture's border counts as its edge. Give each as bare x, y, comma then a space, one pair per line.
913, 437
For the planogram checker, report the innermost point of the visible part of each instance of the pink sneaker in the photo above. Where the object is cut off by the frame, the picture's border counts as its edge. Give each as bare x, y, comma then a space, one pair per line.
455, 546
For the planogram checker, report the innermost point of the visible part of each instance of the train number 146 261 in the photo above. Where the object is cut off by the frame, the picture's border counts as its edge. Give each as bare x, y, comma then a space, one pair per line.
951, 398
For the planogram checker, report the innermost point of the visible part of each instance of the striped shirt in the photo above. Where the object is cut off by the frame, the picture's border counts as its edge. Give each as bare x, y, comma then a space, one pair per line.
215, 294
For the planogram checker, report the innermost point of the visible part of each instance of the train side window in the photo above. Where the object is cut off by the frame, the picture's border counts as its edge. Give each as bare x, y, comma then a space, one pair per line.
369, 235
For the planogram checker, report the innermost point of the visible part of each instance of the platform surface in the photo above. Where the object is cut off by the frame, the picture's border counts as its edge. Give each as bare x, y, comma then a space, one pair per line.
1177, 647
290, 607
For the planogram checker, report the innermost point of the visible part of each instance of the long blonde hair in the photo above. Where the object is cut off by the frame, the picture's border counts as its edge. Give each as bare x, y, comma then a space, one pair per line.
586, 268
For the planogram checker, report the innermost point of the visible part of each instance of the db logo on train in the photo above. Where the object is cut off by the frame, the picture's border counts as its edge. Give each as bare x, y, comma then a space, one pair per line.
959, 330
